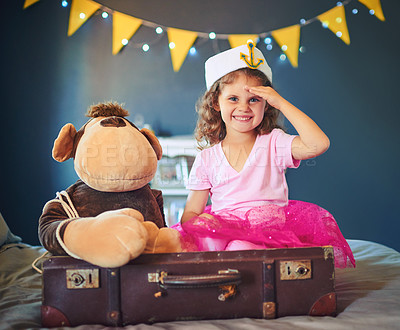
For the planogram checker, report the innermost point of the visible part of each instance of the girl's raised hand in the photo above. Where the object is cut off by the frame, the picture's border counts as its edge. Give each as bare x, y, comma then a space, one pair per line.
268, 94
311, 141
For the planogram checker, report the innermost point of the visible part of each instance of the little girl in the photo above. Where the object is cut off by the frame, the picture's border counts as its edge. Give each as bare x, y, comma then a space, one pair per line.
242, 170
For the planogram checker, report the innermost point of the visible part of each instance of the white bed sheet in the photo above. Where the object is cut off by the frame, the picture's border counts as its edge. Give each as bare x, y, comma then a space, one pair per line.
368, 296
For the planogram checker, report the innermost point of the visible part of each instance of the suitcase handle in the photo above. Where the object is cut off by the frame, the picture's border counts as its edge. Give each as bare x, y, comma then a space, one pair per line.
226, 277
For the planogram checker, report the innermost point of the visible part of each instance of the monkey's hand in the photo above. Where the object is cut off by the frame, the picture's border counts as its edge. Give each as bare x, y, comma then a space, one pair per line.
110, 239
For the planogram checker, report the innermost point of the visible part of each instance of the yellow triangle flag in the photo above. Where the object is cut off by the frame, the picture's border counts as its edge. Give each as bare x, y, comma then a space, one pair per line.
289, 40
80, 12
29, 3
374, 5
124, 27
335, 20
236, 40
180, 42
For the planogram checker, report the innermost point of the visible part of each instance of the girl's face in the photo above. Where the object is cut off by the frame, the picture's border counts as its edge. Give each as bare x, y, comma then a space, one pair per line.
241, 110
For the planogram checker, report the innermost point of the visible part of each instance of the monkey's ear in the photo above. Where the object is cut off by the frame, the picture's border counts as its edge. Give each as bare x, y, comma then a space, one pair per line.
64, 144
153, 141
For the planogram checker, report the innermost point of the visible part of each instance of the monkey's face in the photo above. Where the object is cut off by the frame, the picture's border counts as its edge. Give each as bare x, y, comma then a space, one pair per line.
112, 155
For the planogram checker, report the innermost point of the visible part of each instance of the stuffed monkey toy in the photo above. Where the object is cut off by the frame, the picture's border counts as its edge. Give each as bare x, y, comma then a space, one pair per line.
110, 215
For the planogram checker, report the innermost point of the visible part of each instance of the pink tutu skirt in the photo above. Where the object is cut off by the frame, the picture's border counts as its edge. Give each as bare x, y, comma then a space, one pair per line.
299, 224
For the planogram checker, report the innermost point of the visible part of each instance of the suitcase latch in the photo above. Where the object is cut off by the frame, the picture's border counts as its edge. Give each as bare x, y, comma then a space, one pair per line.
82, 278
295, 270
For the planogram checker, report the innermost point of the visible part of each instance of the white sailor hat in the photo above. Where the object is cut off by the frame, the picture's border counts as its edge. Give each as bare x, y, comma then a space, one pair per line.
244, 56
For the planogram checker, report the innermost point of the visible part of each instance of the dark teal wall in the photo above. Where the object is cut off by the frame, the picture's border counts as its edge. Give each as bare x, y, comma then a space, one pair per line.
49, 79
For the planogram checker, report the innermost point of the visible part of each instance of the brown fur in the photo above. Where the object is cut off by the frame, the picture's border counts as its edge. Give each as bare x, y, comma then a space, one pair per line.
106, 109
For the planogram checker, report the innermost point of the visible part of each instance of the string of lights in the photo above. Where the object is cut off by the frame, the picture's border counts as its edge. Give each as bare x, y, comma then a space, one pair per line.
287, 41
106, 12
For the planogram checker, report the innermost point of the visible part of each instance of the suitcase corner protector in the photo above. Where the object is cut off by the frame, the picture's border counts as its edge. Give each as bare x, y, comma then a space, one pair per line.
324, 306
52, 317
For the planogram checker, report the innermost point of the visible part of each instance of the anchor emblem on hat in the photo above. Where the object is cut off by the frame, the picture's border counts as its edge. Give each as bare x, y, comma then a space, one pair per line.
249, 59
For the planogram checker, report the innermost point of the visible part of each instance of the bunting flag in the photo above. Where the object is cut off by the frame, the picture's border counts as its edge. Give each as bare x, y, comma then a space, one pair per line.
81, 11
289, 40
29, 3
180, 41
124, 27
236, 40
374, 5
335, 20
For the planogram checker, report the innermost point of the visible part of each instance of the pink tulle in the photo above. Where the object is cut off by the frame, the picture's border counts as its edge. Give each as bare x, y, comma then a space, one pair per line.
298, 224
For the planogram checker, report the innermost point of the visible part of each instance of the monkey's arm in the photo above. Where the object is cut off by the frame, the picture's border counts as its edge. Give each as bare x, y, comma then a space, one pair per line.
52, 216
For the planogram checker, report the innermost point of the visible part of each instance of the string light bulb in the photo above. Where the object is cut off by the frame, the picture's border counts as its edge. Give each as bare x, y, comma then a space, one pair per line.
82, 15
145, 47
212, 35
268, 41
64, 3
104, 14
159, 30
124, 41
171, 45
192, 51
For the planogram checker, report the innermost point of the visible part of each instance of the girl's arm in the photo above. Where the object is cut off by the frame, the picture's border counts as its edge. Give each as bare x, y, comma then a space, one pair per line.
195, 204
311, 141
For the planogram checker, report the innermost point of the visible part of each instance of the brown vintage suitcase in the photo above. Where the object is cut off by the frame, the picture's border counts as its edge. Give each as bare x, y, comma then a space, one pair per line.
190, 286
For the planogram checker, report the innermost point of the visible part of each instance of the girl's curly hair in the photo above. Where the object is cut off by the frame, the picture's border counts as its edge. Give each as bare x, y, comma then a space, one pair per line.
210, 128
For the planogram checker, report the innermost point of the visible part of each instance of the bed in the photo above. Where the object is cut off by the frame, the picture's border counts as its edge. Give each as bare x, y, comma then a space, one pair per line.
368, 296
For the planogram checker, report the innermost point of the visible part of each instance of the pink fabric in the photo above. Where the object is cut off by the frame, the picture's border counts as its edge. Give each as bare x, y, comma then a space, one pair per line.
251, 209
298, 224
261, 181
